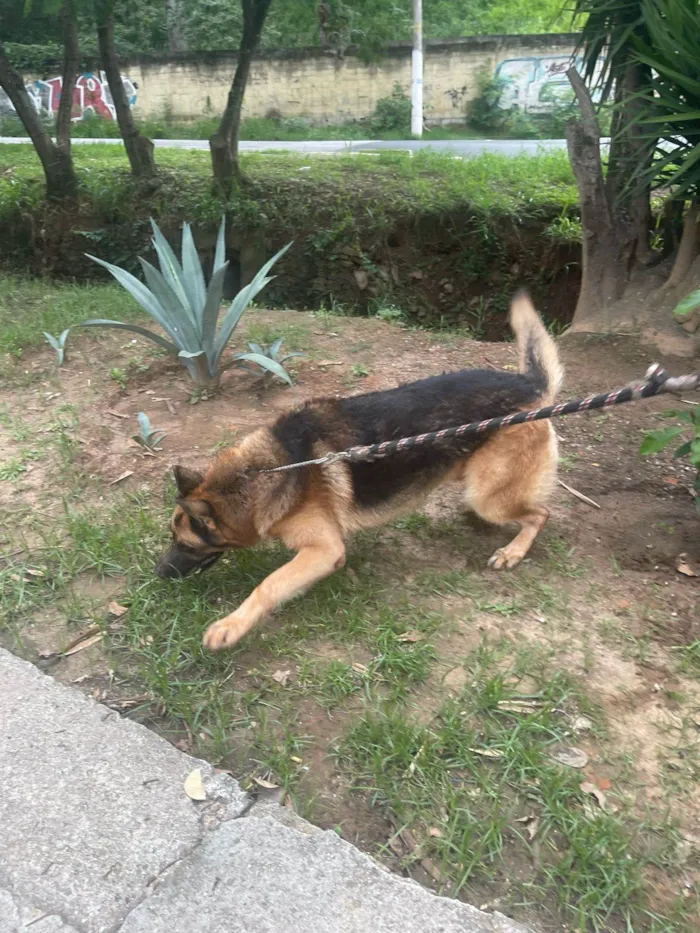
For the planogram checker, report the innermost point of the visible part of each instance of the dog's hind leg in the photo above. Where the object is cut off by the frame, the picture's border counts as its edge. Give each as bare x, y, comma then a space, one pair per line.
508, 479
321, 551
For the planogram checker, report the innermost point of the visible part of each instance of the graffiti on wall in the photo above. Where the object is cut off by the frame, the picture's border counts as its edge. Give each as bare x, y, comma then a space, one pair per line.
537, 85
91, 96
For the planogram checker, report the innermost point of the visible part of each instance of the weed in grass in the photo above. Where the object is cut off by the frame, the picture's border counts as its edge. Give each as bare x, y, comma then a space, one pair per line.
359, 371
333, 682
415, 522
689, 656
227, 439
390, 313
11, 470
119, 375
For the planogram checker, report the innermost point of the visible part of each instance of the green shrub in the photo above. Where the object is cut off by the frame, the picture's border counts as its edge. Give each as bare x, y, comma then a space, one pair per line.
485, 113
656, 441
392, 114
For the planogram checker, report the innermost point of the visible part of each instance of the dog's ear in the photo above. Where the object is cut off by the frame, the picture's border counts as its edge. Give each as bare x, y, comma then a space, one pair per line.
200, 510
186, 480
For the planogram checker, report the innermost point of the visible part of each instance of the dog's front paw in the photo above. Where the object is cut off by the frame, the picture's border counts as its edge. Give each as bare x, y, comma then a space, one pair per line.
224, 634
505, 558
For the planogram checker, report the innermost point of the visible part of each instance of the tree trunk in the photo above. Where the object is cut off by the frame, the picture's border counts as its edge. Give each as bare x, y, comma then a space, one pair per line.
175, 20
324, 15
61, 181
629, 152
71, 55
608, 239
688, 247
224, 143
139, 149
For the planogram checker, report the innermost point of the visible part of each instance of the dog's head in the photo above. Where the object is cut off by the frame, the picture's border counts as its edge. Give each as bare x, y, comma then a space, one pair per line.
200, 526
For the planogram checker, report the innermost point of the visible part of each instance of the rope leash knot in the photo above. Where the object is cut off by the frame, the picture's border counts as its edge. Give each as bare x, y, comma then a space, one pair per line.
656, 381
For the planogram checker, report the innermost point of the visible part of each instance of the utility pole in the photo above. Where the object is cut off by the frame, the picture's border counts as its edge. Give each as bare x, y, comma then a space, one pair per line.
417, 70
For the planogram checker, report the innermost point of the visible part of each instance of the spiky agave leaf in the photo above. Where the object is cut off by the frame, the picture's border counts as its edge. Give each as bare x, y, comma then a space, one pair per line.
274, 348
264, 362
241, 302
58, 344
193, 278
144, 424
150, 304
143, 331
210, 313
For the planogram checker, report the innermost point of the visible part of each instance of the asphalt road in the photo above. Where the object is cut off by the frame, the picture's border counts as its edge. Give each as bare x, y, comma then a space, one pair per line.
458, 147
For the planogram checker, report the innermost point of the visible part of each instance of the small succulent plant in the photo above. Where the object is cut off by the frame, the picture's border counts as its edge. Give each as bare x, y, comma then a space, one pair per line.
268, 360
148, 436
59, 344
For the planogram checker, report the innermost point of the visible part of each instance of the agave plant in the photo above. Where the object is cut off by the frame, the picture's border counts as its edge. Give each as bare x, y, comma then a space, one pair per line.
268, 359
178, 299
59, 344
148, 436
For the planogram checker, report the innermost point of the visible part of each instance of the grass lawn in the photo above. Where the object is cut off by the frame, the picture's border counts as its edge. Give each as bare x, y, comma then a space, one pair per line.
528, 741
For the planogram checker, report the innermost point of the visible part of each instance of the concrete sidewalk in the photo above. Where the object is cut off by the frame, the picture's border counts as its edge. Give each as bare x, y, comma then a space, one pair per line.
97, 835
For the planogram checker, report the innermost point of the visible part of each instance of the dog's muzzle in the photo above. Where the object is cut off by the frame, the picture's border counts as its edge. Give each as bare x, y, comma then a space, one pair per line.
178, 562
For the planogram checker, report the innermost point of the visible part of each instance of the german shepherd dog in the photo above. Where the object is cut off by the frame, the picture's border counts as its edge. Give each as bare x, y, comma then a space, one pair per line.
506, 475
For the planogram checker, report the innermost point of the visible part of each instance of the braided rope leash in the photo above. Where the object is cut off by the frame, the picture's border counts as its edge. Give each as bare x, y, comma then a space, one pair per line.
656, 381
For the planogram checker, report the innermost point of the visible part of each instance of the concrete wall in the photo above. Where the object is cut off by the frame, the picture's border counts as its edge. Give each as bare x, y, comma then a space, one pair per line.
322, 88
312, 84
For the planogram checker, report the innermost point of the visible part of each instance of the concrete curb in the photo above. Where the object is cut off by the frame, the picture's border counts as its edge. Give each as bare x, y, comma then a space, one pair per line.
98, 836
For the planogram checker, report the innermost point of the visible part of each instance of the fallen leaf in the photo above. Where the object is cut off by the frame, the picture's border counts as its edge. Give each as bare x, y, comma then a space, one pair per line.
82, 645
487, 752
532, 824
411, 637
360, 668
581, 724
116, 610
282, 677
262, 782
671, 480
116, 414
435, 832
125, 475
397, 846
588, 788
34, 573
194, 785
684, 567
623, 604
570, 756
604, 783
128, 702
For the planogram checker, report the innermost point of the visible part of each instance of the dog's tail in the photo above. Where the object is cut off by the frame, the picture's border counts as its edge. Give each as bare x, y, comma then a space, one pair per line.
539, 359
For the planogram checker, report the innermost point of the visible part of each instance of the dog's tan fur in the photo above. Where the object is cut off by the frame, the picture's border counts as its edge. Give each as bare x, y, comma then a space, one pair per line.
506, 479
